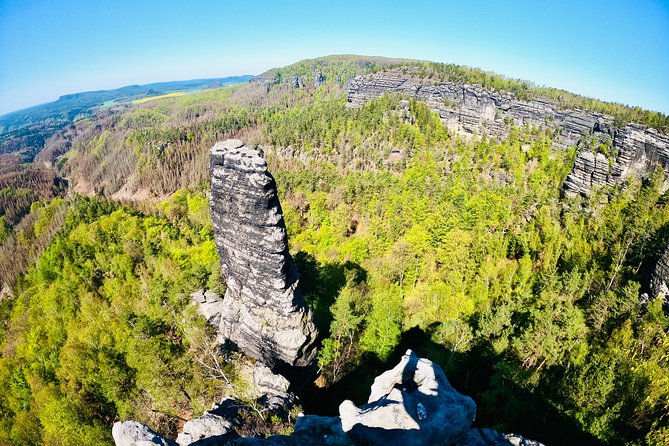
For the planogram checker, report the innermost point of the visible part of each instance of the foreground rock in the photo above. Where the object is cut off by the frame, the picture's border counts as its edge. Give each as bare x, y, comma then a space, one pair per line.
262, 312
132, 433
411, 404
635, 150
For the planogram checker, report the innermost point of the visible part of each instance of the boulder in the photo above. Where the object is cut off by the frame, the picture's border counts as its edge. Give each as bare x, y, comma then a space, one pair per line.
270, 389
132, 433
209, 305
209, 429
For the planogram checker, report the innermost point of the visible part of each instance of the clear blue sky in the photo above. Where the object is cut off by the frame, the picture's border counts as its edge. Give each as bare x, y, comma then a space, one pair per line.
616, 50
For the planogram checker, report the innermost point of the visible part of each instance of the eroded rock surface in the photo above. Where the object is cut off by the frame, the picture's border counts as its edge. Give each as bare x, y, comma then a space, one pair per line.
262, 311
636, 150
411, 404
132, 433
209, 429
659, 281
209, 305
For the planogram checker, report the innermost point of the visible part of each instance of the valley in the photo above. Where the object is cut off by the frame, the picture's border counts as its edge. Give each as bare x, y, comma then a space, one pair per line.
512, 234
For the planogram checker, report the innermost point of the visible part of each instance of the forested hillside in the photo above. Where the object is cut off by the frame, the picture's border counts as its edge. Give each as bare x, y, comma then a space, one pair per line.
405, 234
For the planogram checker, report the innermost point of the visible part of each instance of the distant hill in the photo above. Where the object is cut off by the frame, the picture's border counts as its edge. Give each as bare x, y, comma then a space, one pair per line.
26, 130
68, 106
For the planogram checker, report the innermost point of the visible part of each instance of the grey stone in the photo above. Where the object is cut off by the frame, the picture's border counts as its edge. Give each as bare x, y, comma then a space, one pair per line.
637, 150
209, 305
132, 433
210, 428
268, 388
263, 313
296, 81
659, 281
319, 79
411, 404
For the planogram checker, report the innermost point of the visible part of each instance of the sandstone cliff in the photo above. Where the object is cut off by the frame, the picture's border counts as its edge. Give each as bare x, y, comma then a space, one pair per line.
262, 311
635, 150
659, 281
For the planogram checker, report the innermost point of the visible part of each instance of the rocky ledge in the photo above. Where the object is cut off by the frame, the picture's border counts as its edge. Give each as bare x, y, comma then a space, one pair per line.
411, 404
262, 312
635, 150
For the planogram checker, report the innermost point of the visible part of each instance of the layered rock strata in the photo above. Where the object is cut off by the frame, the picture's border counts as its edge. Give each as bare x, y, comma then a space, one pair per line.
659, 281
262, 311
636, 150
411, 404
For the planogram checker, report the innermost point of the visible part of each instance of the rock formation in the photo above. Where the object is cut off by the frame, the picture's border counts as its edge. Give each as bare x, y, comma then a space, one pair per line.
319, 79
659, 281
262, 311
297, 82
412, 404
636, 149
132, 433
209, 305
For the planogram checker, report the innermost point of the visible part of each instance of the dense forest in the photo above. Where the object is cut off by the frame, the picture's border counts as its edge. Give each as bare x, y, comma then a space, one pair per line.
405, 235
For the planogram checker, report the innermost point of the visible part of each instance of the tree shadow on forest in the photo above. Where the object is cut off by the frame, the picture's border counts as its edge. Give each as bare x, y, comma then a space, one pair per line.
500, 403
320, 285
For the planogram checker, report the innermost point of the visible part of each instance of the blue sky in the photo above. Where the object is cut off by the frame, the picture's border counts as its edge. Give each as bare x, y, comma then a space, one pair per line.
615, 50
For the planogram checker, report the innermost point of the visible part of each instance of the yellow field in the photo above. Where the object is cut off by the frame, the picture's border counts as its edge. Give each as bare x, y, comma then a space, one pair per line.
168, 95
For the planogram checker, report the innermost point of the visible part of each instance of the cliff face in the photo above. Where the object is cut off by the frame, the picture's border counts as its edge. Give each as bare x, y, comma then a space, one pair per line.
262, 311
635, 150
659, 281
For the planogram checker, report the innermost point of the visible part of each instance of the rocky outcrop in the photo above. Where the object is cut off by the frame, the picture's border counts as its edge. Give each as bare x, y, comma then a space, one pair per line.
209, 305
209, 429
635, 149
411, 404
262, 311
659, 281
132, 433
319, 79
590, 169
636, 152
296, 81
